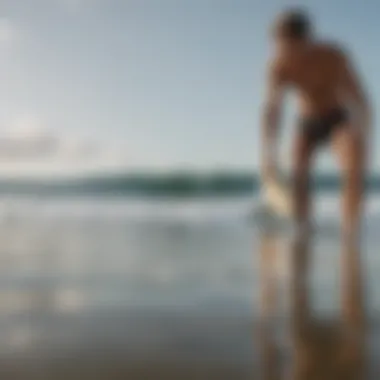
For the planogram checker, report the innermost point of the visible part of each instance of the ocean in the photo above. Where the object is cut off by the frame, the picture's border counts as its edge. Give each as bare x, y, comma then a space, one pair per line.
127, 286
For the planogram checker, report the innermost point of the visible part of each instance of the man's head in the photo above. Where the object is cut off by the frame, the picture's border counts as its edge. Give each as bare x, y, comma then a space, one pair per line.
292, 30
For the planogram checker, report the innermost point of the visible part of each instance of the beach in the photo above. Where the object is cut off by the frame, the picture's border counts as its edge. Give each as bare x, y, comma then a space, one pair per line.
124, 288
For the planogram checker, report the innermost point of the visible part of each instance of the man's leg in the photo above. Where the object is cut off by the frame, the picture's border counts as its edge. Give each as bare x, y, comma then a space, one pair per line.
351, 155
302, 162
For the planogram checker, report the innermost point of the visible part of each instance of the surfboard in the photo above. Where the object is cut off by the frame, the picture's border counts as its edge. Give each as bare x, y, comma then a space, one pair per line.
273, 212
276, 195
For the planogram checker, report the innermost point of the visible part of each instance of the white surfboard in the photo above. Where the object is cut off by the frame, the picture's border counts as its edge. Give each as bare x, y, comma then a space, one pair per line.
276, 195
274, 211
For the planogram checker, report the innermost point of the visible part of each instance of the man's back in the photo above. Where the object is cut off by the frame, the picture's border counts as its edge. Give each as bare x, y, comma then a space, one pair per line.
315, 75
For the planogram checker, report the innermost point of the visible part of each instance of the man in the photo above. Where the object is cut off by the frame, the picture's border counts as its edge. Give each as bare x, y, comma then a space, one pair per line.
333, 110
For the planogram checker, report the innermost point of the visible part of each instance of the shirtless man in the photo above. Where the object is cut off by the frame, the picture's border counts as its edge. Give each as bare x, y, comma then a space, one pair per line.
333, 110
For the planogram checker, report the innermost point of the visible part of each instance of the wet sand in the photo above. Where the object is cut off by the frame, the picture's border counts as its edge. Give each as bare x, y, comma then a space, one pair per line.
127, 345
71, 293
137, 345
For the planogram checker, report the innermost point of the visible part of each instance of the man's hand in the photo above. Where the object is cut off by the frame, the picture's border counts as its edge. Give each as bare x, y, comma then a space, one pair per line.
269, 165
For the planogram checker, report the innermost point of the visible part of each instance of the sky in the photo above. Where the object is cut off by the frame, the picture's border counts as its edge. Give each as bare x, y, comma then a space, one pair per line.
118, 85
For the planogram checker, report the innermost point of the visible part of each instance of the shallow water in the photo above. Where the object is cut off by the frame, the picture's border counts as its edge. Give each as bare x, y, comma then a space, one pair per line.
127, 281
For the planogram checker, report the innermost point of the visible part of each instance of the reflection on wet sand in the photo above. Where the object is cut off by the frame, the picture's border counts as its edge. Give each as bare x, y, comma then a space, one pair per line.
318, 348
100, 300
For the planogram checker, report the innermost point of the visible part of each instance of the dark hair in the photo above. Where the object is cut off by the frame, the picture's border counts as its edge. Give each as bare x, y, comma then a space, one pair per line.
294, 23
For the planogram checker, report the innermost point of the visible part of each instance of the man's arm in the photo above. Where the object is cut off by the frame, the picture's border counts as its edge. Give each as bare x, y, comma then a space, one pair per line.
355, 95
271, 118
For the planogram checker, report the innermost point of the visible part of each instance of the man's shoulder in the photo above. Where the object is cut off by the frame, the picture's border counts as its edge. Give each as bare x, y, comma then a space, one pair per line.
331, 49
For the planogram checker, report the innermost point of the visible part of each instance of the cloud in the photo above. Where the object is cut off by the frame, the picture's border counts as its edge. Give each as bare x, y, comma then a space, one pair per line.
28, 138
28, 146
25, 138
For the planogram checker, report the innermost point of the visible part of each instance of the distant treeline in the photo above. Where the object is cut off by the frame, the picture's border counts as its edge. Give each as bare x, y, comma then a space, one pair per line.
164, 185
